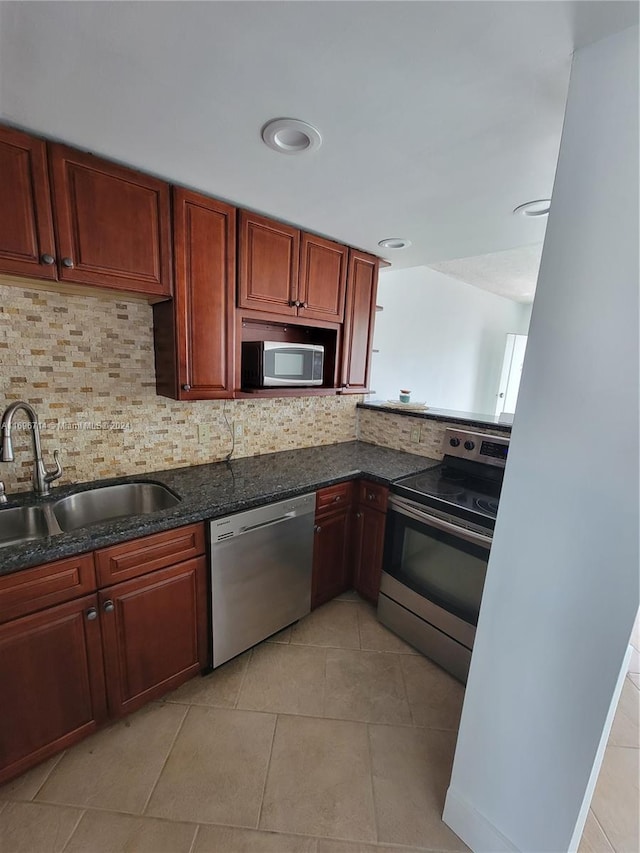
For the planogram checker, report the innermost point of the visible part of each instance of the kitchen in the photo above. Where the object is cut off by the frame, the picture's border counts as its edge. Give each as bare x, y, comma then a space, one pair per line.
97, 353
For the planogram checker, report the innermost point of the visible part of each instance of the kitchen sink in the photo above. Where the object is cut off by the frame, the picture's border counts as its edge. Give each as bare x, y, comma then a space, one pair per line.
108, 502
22, 524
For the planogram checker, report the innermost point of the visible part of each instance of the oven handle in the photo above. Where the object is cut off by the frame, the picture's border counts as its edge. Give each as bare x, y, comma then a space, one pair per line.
438, 523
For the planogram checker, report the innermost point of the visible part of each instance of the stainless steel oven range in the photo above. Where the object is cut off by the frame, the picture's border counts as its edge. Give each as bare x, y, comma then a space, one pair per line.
439, 531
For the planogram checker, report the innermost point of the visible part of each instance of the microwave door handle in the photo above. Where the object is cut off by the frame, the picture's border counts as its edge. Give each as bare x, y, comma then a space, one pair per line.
445, 526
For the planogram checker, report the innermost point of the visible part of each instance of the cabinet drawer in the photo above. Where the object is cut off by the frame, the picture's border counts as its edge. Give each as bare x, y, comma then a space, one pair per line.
373, 495
139, 556
333, 497
52, 583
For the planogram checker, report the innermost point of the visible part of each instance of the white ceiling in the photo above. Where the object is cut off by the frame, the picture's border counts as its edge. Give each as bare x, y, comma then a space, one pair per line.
512, 273
438, 117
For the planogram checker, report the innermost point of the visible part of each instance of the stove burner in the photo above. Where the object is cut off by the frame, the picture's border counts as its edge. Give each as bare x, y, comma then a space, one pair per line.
448, 490
452, 475
487, 505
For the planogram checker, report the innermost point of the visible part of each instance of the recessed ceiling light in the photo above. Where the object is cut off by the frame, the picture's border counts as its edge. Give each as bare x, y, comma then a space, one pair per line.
394, 243
291, 136
539, 207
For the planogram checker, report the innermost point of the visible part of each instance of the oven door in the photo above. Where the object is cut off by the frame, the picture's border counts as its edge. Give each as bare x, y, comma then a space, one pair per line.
432, 554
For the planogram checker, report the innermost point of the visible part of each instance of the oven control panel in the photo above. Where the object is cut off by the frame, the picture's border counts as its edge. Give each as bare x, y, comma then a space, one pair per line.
477, 446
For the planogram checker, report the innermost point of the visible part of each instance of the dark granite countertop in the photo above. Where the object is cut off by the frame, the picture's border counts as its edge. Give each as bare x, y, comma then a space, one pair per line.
211, 491
468, 418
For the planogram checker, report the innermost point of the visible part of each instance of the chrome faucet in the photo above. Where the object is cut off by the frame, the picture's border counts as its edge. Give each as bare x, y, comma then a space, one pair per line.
42, 478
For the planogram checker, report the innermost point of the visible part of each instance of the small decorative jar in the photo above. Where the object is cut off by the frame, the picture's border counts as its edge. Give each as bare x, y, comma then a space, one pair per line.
405, 396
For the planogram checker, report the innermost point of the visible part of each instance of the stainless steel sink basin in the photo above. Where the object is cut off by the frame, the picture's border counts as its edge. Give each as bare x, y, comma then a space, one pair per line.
109, 502
22, 524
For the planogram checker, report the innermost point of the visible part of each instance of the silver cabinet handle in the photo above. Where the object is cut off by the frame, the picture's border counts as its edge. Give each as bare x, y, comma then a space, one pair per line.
108, 606
186, 387
317, 528
47, 259
92, 614
68, 263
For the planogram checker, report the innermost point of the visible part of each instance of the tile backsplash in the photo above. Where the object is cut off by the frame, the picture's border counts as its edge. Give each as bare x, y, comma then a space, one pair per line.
391, 430
85, 363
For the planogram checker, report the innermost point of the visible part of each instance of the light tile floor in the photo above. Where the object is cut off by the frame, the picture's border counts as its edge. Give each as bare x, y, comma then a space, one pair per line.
332, 737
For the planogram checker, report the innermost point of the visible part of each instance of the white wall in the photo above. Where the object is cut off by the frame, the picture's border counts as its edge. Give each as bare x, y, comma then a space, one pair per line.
562, 585
442, 339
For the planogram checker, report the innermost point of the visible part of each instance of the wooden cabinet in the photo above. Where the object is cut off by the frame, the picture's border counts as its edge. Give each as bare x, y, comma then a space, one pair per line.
27, 245
368, 539
64, 668
322, 279
112, 224
331, 552
283, 271
268, 259
194, 334
52, 683
362, 286
154, 633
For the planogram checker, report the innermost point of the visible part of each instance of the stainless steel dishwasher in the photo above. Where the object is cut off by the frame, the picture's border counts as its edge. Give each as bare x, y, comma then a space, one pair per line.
260, 573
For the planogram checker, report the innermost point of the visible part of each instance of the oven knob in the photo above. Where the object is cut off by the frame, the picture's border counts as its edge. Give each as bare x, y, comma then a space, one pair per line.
454, 442
469, 445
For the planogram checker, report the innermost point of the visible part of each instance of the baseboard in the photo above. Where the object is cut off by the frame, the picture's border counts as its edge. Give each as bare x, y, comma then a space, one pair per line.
473, 828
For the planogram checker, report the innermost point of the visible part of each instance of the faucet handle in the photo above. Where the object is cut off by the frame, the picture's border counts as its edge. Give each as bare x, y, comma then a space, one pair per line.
50, 476
3, 497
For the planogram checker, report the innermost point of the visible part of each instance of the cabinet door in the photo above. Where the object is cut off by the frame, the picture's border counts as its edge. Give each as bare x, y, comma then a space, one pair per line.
362, 286
52, 683
203, 310
323, 276
112, 224
268, 261
331, 566
368, 546
26, 227
154, 633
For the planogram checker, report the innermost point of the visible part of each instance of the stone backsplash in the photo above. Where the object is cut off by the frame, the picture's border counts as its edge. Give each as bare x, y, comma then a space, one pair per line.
85, 363
395, 431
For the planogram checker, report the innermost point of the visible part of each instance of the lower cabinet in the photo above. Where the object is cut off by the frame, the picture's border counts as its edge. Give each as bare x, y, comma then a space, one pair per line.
66, 668
154, 633
52, 683
349, 540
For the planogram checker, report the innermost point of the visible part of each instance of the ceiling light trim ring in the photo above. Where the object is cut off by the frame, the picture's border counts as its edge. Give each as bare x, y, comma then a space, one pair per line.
291, 136
394, 243
537, 207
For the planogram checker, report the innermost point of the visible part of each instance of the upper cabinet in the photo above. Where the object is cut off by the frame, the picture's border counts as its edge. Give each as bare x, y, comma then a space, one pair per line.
194, 334
358, 322
27, 246
112, 224
292, 274
322, 279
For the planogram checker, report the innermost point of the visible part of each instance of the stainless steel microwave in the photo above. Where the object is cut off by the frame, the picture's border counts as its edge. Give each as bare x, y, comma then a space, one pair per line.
273, 364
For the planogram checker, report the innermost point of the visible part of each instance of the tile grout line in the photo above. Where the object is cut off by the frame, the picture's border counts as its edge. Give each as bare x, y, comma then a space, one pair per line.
194, 839
48, 776
164, 763
609, 842
266, 775
406, 693
73, 831
243, 679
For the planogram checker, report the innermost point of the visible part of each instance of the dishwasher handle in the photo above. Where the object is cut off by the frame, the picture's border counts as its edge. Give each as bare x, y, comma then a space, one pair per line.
250, 528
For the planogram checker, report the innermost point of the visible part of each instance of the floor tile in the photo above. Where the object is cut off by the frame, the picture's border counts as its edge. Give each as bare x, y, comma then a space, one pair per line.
319, 780
375, 637
411, 772
435, 697
616, 801
327, 845
228, 839
349, 595
282, 636
217, 768
117, 767
365, 686
626, 723
334, 624
634, 663
285, 679
593, 838
105, 832
25, 787
218, 689
36, 828
635, 678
